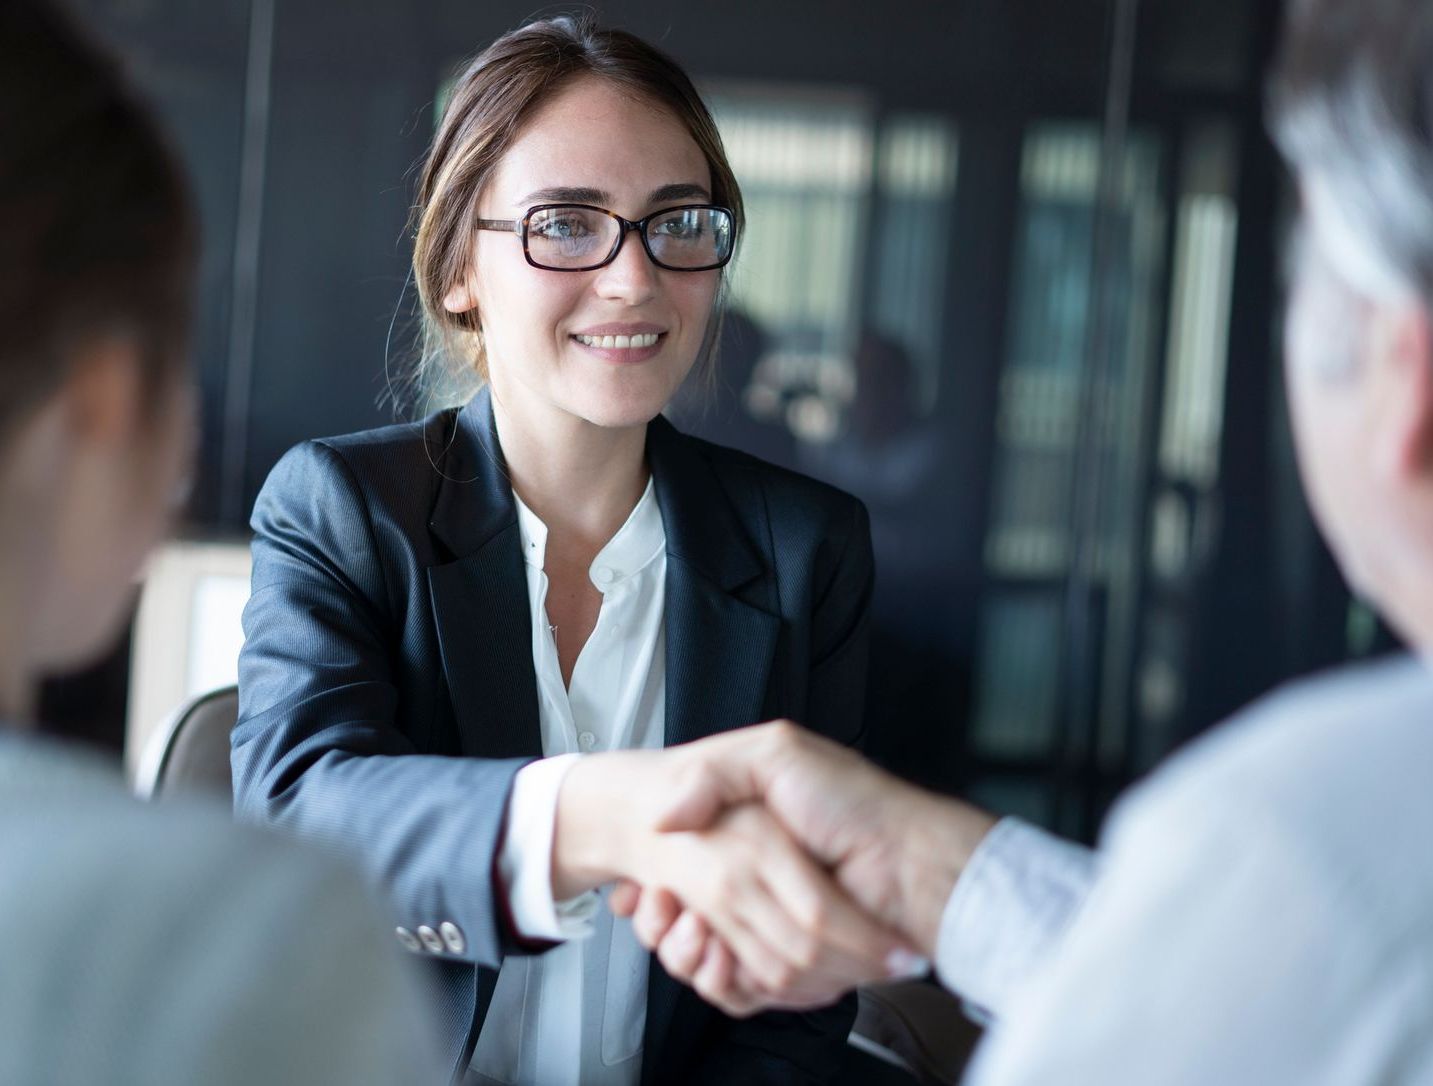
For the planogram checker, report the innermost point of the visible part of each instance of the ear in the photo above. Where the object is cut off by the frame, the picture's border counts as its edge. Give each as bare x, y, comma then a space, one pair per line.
460, 299
103, 392
1404, 399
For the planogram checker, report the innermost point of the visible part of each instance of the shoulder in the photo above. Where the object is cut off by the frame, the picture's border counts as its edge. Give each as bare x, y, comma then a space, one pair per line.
358, 495
77, 842
1341, 729
385, 458
790, 497
235, 932
1333, 768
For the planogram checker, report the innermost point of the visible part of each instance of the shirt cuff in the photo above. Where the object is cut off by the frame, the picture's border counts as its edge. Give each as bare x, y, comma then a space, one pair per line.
525, 861
1007, 912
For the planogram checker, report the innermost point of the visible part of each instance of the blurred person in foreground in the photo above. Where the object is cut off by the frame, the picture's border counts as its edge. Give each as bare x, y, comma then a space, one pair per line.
1261, 909
138, 945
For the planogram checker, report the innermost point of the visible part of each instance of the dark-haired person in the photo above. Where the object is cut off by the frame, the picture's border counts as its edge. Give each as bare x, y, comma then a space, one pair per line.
138, 945
1260, 909
467, 634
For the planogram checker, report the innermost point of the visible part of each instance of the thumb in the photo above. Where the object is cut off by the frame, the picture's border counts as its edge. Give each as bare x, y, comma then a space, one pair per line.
695, 801
716, 773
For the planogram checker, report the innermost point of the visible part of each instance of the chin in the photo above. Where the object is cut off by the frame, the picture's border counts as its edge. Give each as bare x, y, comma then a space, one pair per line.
621, 417
620, 409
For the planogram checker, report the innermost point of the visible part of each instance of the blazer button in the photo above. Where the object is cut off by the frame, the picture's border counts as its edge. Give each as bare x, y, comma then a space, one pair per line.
453, 937
408, 939
430, 939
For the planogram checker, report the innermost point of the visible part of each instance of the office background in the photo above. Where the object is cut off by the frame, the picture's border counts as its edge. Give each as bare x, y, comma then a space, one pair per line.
1011, 276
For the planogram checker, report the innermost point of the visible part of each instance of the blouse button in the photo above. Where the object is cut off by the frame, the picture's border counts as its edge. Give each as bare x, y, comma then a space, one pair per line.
586, 740
604, 574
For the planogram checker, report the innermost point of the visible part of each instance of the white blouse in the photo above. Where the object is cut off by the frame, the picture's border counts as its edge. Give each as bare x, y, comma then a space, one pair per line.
576, 1014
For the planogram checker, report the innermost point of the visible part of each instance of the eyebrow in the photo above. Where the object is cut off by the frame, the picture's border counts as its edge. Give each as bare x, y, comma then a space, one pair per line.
561, 194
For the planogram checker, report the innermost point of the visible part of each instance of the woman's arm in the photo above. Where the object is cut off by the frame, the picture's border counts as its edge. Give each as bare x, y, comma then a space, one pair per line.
317, 750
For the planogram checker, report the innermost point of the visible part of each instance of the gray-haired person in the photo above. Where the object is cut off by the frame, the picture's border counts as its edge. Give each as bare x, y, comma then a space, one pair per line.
1260, 910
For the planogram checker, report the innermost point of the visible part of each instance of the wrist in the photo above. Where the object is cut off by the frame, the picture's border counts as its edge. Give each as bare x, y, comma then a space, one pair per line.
938, 838
599, 820
581, 853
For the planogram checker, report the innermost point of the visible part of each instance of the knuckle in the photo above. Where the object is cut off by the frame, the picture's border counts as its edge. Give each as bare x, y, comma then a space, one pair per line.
647, 932
677, 963
726, 884
805, 953
784, 733
816, 914
782, 976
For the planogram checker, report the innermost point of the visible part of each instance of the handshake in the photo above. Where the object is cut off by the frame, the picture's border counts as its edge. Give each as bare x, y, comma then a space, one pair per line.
766, 867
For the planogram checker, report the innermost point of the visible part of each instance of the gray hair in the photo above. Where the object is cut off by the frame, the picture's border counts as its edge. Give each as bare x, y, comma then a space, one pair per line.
1350, 102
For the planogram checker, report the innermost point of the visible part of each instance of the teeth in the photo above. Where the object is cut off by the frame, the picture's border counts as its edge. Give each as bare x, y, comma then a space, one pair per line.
619, 343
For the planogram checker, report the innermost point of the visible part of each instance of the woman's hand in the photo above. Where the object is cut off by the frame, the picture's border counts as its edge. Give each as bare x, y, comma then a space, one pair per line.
776, 919
692, 954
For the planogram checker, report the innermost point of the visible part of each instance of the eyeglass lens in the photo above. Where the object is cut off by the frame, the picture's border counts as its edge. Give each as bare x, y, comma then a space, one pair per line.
581, 237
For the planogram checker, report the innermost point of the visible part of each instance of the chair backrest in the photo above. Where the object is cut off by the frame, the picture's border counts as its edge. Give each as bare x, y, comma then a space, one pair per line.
917, 1026
189, 752
187, 634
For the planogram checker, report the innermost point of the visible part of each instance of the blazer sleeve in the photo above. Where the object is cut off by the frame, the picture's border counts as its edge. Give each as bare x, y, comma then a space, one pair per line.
316, 750
810, 1046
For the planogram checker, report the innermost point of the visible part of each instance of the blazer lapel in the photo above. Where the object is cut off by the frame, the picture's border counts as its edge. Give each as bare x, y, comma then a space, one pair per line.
480, 600
722, 629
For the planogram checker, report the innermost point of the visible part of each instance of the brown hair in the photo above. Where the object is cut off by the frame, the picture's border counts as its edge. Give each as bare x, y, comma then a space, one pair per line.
96, 230
491, 100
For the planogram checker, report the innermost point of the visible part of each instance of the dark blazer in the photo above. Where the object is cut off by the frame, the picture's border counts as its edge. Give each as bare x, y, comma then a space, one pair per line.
387, 692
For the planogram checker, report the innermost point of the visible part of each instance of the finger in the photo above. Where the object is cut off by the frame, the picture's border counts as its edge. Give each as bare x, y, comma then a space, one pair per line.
716, 876
697, 798
781, 909
714, 982
656, 912
624, 898
828, 936
801, 997
755, 946
682, 951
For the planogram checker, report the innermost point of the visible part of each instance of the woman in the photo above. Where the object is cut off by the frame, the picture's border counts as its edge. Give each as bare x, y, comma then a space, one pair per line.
553, 572
137, 944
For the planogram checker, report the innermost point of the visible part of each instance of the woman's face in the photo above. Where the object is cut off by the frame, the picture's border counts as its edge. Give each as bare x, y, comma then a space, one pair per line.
595, 144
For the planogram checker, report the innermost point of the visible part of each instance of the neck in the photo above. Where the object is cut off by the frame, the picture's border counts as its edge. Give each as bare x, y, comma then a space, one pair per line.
581, 480
16, 685
1400, 586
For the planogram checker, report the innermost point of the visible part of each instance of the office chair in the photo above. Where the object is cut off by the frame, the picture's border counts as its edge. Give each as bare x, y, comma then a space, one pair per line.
917, 1026
189, 752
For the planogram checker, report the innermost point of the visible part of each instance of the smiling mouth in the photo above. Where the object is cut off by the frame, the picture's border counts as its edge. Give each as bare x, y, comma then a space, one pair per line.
620, 343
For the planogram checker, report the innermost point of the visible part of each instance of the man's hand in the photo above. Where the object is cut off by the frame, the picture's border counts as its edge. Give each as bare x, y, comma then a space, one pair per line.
781, 920
895, 849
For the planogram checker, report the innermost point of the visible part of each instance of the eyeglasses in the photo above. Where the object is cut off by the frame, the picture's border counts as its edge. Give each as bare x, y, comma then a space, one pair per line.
580, 237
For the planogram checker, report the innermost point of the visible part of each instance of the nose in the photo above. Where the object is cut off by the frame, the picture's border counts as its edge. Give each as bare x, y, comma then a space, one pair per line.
630, 278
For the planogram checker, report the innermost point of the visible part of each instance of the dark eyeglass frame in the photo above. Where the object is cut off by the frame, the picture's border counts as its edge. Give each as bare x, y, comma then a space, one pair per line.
520, 228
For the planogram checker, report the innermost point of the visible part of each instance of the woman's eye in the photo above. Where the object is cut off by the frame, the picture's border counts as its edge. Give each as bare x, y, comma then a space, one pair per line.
680, 228
562, 228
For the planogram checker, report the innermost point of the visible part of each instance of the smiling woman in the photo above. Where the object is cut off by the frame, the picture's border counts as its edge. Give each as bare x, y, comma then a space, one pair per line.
464, 631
